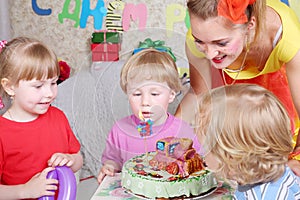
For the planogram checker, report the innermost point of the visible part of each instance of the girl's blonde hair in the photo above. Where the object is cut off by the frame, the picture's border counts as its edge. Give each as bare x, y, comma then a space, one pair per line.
205, 9
26, 59
150, 64
248, 131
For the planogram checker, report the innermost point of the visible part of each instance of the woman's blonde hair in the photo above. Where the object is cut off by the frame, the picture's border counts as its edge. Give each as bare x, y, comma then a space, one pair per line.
205, 9
248, 131
150, 64
26, 59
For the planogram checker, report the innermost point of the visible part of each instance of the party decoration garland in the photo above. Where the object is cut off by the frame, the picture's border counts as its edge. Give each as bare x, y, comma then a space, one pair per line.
38, 10
74, 15
113, 20
119, 14
98, 13
135, 12
286, 2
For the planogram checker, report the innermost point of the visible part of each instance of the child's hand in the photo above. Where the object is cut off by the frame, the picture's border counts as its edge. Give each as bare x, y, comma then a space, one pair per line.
39, 185
61, 159
109, 168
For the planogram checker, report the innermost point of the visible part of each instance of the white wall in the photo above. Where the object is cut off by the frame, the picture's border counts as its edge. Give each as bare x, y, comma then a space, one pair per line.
5, 26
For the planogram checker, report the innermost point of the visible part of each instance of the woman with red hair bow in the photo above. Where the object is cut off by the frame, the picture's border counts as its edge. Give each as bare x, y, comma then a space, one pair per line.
245, 41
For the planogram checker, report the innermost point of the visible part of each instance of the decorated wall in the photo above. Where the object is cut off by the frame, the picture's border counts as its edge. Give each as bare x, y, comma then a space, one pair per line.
67, 25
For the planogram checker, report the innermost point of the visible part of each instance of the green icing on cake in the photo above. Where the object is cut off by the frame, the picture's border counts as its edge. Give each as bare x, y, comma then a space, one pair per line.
152, 187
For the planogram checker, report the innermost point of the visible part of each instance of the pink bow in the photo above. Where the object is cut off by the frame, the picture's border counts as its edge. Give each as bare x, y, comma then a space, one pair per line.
234, 10
1, 104
2, 44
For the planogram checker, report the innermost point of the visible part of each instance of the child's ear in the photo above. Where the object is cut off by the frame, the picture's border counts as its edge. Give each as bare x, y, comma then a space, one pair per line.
172, 96
8, 87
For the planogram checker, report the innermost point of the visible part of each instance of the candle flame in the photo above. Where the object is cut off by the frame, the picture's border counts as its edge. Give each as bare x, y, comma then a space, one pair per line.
141, 116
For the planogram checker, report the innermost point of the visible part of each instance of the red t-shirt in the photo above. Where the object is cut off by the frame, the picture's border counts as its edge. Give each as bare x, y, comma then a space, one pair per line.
25, 147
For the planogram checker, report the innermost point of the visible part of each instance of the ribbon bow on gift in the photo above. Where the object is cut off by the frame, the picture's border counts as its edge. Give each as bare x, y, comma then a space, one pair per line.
158, 45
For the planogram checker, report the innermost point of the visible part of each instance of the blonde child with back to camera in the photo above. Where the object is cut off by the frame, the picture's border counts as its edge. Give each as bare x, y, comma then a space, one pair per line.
151, 81
246, 134
245, 41
35, 137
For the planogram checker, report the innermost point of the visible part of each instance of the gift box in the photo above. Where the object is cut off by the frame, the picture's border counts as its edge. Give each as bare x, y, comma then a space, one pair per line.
105, 45
105, 36
105, 52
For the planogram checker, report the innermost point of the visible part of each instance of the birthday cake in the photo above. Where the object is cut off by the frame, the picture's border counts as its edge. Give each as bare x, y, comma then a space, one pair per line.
173, 170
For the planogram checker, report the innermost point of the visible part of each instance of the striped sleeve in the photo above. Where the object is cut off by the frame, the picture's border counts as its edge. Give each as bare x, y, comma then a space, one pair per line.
285, 188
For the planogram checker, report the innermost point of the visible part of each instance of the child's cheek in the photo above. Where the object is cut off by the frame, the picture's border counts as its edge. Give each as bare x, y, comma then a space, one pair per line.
211, 162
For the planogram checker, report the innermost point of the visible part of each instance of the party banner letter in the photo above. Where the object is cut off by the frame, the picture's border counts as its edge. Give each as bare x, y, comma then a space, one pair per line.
114, 15
187, 20
98, 13
295, 5
38, 10
134, 12
73, 16
175, 13
285, 1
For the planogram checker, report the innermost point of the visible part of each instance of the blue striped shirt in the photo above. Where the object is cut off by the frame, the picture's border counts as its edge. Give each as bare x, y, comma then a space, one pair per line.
285, 188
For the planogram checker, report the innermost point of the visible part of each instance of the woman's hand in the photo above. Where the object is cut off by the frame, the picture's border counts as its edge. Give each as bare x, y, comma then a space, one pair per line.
39, 185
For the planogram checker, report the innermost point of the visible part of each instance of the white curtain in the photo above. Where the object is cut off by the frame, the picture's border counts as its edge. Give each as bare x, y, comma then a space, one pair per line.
5, 28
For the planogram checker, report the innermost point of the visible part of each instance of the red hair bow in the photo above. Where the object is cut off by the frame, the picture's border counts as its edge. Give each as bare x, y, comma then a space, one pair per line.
234, 10
64, 71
